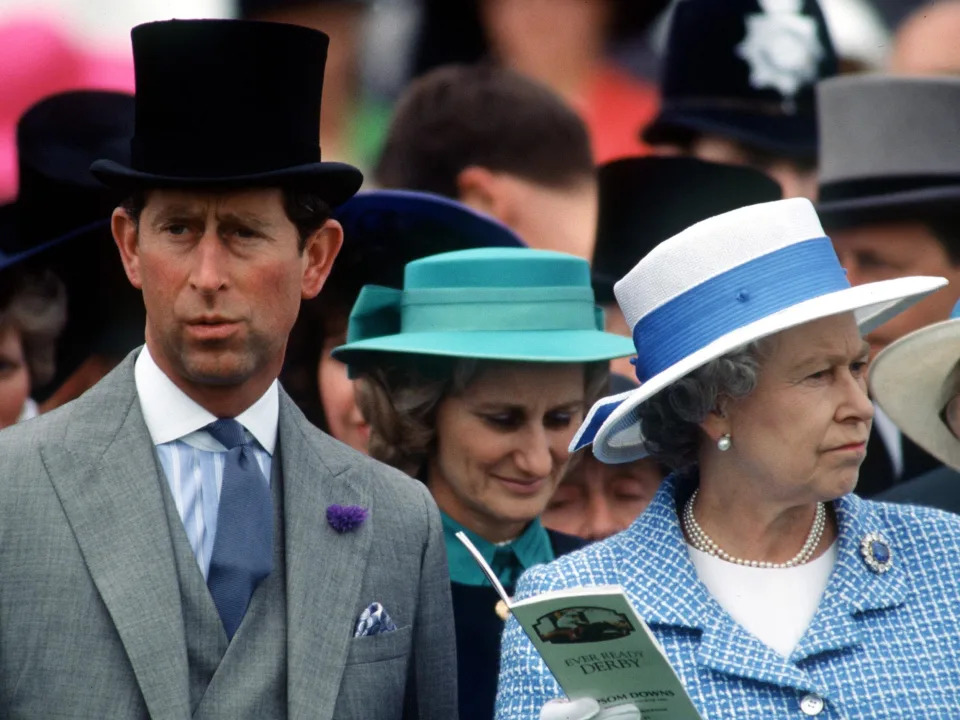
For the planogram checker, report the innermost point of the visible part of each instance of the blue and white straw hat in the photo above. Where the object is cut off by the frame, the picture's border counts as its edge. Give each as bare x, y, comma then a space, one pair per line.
721, 284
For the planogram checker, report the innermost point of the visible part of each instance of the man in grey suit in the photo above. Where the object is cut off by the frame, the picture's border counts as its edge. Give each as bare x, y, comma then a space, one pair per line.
180, 542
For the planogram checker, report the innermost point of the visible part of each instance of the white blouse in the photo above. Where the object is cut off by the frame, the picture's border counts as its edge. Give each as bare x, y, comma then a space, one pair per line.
774, 605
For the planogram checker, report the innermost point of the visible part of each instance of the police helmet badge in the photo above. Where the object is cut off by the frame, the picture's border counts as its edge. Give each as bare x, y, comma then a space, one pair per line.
781, 47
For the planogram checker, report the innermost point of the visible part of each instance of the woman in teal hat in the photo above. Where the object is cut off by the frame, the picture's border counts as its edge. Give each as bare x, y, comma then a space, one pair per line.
473, 378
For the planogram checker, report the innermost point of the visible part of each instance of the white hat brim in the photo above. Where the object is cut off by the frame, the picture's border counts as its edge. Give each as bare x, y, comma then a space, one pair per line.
618, 438
907, 380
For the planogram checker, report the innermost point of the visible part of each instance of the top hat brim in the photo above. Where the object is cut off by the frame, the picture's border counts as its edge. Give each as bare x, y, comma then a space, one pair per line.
907, 379
882, 207
612, 425
333, 181
780, 135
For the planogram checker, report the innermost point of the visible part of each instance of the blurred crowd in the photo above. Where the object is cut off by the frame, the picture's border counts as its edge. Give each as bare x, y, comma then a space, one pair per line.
463, 305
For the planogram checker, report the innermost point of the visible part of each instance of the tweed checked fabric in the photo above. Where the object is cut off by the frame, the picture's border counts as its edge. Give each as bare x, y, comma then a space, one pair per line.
881, 645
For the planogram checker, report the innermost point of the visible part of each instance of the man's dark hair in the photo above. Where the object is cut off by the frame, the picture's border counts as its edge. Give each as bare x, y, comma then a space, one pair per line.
462, 115
304, 209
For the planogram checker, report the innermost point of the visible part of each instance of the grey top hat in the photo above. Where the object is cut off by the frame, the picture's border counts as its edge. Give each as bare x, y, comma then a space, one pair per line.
888, 148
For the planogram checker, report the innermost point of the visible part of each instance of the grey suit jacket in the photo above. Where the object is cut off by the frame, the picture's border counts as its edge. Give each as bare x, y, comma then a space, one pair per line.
90, 619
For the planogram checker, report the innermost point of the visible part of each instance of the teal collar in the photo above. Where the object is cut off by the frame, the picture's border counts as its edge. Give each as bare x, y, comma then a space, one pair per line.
531, 548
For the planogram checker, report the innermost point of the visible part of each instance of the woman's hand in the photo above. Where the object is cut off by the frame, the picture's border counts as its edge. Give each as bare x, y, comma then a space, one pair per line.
586, 709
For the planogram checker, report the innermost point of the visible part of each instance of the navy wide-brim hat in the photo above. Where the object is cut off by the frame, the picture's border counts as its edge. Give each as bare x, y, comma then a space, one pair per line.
645, 200
58, 200
227, 104
383, 230
60, 221
744, 70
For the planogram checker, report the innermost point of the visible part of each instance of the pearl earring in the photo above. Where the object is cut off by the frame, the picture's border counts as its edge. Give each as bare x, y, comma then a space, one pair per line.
724, 443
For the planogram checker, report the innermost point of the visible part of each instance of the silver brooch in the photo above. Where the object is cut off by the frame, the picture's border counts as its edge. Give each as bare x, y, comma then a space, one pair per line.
876, 552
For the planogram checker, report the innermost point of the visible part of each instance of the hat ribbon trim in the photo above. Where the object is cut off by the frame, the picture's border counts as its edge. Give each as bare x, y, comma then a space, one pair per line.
744, 294
869, 187
16, 254
497, 309
180, 155
597, 416
381, 311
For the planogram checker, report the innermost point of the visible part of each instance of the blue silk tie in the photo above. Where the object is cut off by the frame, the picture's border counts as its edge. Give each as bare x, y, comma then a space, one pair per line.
243, 548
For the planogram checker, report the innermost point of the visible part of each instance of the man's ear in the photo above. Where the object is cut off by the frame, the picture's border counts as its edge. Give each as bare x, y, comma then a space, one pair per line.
126, 236
482, 190
319, 252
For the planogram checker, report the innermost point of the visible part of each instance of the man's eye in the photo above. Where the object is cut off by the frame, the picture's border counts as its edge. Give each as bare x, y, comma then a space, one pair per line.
246, 233
176, 229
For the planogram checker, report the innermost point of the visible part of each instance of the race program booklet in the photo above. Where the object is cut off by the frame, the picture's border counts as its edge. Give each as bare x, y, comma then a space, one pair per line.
597, 646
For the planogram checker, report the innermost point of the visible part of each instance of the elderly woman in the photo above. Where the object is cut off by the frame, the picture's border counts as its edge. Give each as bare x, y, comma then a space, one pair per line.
773, 590
474, 378
32, 314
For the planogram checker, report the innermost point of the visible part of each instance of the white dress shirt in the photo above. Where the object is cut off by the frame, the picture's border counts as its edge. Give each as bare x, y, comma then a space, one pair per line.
775, 605
892, 439
191, 458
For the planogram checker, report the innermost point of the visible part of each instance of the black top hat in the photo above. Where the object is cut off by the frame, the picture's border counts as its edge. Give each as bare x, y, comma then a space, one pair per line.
745, 69
645, 200
229, 103
888, 150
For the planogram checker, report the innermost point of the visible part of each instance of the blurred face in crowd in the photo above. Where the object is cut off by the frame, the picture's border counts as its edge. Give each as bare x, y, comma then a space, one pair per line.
796, 179
596, 500
801, 435
501, 445
553, 41
344, 419
562, 218
885, 251
14, 375
926, 43
222, 276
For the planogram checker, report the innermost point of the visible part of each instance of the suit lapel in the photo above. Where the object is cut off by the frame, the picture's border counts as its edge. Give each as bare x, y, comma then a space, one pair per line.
106, 476
324, 568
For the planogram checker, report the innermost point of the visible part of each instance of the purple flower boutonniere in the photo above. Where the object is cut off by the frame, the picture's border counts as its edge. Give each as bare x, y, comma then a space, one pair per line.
344, 518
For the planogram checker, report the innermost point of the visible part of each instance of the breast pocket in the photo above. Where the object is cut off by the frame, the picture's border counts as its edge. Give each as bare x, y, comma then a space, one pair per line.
375, 676
380, 647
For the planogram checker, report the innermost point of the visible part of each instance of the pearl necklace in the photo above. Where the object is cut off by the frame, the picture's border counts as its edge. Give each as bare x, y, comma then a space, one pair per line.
702, 542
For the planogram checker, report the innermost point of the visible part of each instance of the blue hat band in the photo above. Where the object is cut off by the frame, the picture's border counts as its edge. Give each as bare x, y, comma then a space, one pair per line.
742, 295
498, 309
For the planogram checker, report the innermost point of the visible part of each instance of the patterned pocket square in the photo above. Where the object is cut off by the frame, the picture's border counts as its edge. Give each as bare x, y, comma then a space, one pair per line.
373, 621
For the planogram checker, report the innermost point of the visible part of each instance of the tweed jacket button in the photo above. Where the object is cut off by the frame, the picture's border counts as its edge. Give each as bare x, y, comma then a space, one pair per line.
811, 704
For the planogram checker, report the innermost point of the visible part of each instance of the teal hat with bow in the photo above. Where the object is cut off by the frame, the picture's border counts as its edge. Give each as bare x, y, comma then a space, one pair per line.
515, 304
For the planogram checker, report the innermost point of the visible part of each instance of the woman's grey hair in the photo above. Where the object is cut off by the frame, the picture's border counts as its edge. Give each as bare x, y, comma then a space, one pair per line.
670, 420
37, 310
399, 397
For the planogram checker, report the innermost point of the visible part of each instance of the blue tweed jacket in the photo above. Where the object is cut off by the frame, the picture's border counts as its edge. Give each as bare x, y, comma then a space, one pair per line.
880, 645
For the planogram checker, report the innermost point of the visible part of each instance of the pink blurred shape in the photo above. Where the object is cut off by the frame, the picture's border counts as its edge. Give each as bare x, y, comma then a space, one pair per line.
37, 59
